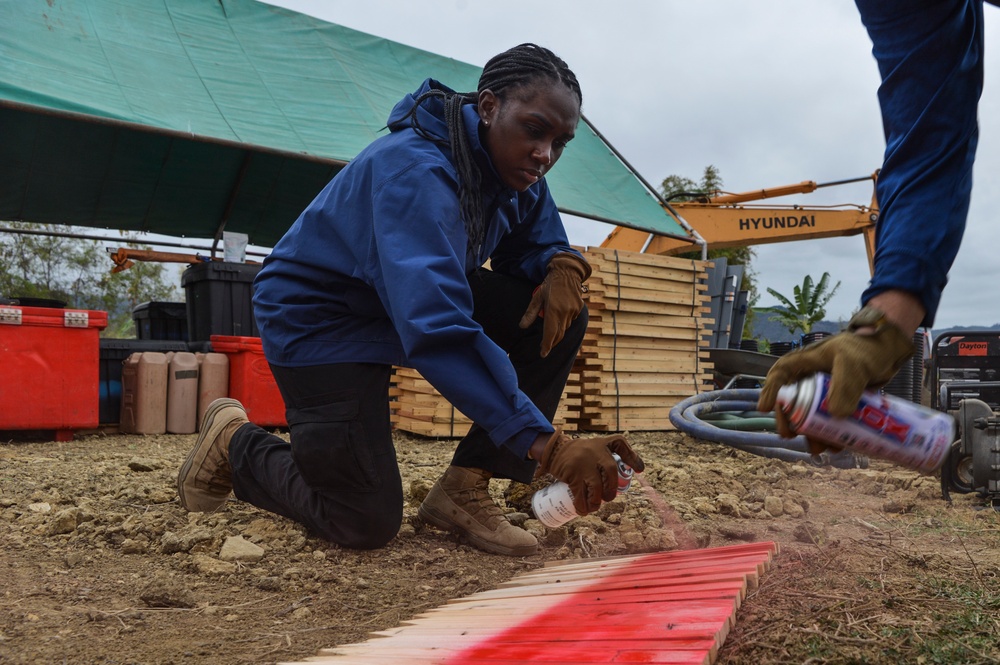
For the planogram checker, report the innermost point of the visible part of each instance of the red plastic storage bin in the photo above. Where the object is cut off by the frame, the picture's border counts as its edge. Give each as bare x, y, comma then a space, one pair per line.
50, 369
250, 379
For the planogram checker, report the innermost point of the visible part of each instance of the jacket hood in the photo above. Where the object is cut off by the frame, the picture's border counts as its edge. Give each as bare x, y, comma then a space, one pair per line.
430, 113
430, 118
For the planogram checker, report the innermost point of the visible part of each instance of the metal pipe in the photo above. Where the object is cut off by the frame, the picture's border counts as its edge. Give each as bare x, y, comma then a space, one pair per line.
189, 136
698, 240
85, 236
244, 165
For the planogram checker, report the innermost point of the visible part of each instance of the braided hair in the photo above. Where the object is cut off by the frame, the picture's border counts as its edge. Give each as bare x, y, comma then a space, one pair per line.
514, 68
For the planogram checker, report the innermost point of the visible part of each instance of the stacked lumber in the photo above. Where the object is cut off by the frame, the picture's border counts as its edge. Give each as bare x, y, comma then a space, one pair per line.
664, 607
646, 346
417, 407
645, 350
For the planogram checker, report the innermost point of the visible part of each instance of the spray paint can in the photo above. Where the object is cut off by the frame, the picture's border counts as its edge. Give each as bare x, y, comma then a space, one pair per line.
553, 505
883, 426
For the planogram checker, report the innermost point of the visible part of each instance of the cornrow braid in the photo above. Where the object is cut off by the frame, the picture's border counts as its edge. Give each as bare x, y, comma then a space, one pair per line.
514, 68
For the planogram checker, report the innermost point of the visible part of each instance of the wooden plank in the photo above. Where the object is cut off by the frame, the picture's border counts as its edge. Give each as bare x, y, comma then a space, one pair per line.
666, 557
630, 294
429, 429
692, 384
673, 378
658, 565
656, 321
691, 626
609, 389
432, 652
435, 654
629, 412
440, 411
663, 354
645, 318
608, 303
671, 365
405, 386
631, 425
659, 261
627, 401
608, 332
651, 280
613, 600
647, 337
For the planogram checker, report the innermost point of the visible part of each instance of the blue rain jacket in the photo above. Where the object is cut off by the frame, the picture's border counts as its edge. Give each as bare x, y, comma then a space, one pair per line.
930, 57
375, 270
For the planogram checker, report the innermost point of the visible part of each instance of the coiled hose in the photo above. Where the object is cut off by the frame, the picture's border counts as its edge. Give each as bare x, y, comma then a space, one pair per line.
730, 417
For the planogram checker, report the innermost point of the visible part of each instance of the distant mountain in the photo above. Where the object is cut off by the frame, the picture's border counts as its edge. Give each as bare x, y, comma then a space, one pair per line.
937, 331
766, 327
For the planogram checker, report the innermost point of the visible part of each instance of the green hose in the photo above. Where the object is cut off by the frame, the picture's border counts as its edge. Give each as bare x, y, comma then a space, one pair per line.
742, 421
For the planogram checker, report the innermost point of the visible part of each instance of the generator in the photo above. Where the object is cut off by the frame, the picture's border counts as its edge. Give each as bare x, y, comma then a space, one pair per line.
963, 377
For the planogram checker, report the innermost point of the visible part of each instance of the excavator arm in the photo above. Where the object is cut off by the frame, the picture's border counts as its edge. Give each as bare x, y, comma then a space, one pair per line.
737, 220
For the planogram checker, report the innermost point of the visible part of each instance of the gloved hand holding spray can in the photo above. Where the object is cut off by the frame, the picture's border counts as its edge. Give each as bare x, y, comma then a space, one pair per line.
881, 426
869, 353
586, 469
553, 505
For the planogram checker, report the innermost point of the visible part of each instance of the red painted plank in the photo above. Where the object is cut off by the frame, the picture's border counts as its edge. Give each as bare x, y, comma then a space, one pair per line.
671, 608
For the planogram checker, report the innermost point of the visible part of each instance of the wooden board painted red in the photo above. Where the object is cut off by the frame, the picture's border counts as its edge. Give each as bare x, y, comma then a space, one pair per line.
668, 608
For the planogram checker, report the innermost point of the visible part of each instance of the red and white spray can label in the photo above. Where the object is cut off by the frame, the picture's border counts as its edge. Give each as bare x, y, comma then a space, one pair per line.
553, 505
883, 426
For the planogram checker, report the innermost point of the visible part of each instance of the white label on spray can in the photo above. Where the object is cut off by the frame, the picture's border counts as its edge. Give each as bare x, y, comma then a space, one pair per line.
553, 505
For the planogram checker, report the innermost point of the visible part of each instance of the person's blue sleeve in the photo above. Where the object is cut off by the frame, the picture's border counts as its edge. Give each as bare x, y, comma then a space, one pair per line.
930, 57
418, 263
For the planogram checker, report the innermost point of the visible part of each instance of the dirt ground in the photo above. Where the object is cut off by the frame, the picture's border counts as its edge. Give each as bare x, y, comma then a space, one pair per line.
101, 565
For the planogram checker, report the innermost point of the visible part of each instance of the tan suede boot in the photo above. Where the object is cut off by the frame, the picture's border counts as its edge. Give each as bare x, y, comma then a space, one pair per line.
460, 502
205, 479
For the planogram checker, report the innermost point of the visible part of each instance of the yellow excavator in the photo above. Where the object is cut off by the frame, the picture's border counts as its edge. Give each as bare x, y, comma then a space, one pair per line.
736, 220
717, 220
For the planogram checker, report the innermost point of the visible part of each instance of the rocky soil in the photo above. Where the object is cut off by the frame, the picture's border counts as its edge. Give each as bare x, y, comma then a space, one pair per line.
101, 565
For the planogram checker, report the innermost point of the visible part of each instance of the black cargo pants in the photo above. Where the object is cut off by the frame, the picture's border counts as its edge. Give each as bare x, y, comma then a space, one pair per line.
339, 475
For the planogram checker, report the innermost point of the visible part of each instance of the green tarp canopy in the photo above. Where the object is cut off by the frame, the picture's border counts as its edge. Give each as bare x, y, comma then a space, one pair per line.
187, 117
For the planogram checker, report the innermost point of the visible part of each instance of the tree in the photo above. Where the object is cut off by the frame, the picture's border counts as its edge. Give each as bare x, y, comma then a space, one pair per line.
77, 271
807, 306
679, 188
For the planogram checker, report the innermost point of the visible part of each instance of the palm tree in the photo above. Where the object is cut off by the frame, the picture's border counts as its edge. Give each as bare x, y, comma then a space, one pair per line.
809, 304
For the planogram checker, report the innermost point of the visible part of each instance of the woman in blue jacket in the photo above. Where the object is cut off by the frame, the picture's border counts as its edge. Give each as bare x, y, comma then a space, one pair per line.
385, 267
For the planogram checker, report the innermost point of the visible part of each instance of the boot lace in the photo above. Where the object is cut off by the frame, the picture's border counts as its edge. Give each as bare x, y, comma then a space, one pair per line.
479, 504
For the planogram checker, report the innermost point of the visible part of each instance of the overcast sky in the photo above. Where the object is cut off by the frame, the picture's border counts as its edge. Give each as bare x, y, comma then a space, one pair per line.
771, 93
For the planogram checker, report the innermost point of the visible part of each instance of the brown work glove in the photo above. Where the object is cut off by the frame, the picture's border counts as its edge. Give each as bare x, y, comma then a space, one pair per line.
854, 362
559, 299
586, 465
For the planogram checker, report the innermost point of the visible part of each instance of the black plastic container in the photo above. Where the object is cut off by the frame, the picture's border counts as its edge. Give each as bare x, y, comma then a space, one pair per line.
218, 296
781, 348
113, 353
813, 337
161, 321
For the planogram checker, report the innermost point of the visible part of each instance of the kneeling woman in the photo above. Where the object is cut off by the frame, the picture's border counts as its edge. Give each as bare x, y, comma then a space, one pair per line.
385, 267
